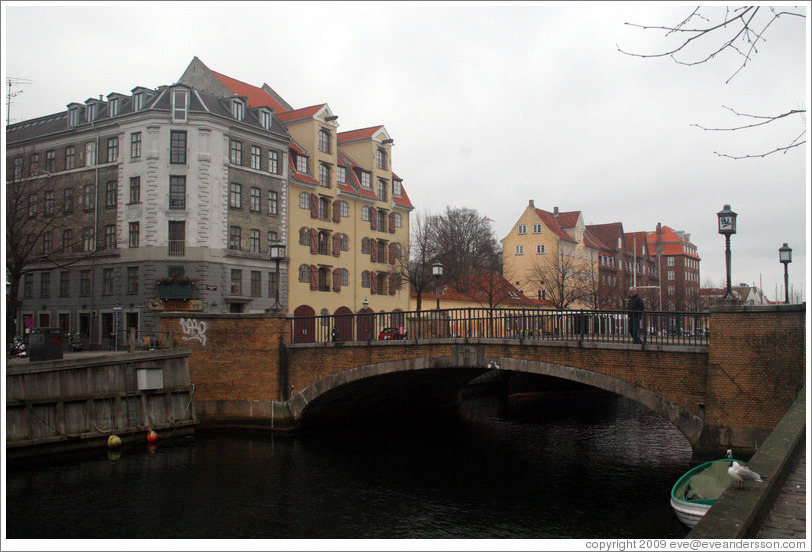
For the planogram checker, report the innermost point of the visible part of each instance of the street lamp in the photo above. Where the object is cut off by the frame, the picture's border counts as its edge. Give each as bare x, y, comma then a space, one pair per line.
785, 256
727, 227
437, 271
277, 254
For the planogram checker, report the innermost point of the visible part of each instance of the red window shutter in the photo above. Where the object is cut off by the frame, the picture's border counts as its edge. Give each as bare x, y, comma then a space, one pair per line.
314, 206
336, 245
314, 240
373, 251
393, 283
314, 278
373, 283
392, 223
337, 211
393, 253
373, 219
337, 279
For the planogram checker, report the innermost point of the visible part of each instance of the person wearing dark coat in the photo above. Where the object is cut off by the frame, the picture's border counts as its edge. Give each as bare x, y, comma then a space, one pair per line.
635, 307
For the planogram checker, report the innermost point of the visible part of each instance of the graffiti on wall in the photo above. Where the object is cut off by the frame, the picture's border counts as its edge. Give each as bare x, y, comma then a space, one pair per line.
193, 329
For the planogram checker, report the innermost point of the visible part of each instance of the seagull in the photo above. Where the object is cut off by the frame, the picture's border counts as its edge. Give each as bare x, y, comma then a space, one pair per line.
742, 473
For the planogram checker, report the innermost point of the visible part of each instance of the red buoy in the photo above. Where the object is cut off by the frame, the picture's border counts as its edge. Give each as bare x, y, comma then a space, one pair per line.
152, 436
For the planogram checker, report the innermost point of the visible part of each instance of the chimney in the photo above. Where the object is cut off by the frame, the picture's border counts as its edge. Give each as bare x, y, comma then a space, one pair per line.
532, 204
555, 211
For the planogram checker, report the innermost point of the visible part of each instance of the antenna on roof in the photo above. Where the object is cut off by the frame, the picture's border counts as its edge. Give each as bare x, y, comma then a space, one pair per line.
13, 81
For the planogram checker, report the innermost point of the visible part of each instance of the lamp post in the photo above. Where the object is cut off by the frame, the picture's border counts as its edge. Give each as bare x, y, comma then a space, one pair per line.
727, 227
785, 256
277, 254
437, 271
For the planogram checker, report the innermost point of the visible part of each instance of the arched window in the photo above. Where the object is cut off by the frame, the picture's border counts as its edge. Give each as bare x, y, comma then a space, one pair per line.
365, 248
324, 176
365, 213
345, 242
304, 273
345, 277
304, 236
324, 279
365, 279
324, 238
324, 208
345, 209
398, 220
304, 200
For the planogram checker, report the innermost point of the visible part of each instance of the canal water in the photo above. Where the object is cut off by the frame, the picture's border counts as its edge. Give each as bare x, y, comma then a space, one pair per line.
480, 471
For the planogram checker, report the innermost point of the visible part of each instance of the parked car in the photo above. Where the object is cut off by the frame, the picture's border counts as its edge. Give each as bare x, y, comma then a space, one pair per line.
393, 333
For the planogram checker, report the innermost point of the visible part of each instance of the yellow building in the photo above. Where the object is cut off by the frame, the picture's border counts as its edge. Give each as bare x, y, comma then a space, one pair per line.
552, 256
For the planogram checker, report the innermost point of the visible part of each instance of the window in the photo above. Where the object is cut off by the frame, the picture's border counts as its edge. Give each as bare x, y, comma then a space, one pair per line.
397, 188
177, 238
50, 161
179, 105
273, 203
112, 150
304, 273
345, 242
234, 238
256, 283
88, 198
238, 109
236, 152
177, 192
84, 283
135, 231
522, 229
324, 240
110, 236
138, 101
88, 239
18, 168
345, 209
365, 180
670, 274
273, 237
47, 244
111, 194
520, 250
671, 290
90, 154
301, 163
381, 190
324, 141
67, 239
265, 119
256, 157
28, 285
33, 164
537, 228
273, 284
670, 261
90, 111
135, 189
304, 200
73, 117
398, 220
132, 279
324, 175
236, 281
45, 284
253, 241
345, 277
235, 196
304, 236
342, 175
256, 199
32, 205
273, 162
365, 279
64, 283
107, 281
48, 208
324, 208
112, 107
70, 157
541, 249
177, 147
135, 145
365, 246
365, 213
380, 158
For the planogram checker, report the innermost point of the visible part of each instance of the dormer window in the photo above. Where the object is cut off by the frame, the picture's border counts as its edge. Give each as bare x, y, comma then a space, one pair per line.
112, 107
73, 117
342, 175
265, 119
365, 180
91, 112
238, 109
301, 163
138, 101
180, 105
324, 141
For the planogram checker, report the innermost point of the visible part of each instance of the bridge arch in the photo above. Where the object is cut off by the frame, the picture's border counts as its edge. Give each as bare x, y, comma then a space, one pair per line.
444, 379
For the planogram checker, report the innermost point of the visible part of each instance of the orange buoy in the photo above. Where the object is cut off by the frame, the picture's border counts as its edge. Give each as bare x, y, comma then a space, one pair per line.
152, 436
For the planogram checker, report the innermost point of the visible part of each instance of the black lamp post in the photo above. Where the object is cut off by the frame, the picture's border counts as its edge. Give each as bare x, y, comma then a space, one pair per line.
727, 227
785, 255
437, 271
277, 254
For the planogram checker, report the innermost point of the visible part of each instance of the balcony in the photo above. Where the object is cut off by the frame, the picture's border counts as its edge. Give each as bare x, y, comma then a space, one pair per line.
174, 289
177, 248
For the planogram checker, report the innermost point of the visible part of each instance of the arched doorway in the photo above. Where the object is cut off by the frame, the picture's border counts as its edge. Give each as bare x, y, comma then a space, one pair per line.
366, 324
343, 324
304, 329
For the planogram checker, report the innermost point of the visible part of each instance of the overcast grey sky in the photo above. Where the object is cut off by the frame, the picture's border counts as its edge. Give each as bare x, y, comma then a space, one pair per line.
489, 105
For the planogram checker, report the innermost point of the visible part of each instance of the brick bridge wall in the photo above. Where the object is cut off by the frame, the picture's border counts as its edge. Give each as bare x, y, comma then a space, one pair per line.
730, 394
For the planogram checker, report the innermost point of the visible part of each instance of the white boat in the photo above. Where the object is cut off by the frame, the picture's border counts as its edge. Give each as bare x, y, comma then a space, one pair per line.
697, 490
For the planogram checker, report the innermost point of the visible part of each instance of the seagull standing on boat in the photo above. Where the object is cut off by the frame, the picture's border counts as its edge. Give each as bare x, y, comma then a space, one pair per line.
742, 473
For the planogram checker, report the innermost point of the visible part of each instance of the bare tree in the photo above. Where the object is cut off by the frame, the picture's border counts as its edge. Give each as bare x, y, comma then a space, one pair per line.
563, 278
415, 264
594, 295
465, 244
739, 30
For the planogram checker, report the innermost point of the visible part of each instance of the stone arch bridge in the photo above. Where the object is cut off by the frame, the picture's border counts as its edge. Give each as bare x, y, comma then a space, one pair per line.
728, 393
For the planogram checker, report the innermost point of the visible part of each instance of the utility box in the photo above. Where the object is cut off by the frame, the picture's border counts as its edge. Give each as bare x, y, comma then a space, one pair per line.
45, 344
150, 378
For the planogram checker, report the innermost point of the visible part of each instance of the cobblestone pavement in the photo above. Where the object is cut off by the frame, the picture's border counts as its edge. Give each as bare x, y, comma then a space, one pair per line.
787, 519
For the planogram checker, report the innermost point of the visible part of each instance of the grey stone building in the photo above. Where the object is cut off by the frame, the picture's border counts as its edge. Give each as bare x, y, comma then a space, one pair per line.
166, 199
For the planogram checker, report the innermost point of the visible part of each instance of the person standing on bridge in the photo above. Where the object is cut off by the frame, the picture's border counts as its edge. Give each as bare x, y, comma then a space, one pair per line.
635, 307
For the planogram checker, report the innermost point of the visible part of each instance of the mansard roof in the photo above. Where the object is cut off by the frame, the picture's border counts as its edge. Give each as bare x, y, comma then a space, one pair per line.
255, 96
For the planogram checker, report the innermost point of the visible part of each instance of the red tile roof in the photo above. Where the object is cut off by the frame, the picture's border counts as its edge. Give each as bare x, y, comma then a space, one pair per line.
673, 244
550, 221
505, 294
608, 233
358, 134
302, 113
256, 97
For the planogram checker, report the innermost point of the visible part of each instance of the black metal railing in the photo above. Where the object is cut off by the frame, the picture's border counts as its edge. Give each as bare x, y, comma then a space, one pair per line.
671, 328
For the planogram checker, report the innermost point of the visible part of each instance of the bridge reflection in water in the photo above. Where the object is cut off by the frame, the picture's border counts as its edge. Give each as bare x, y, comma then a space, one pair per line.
657, 327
